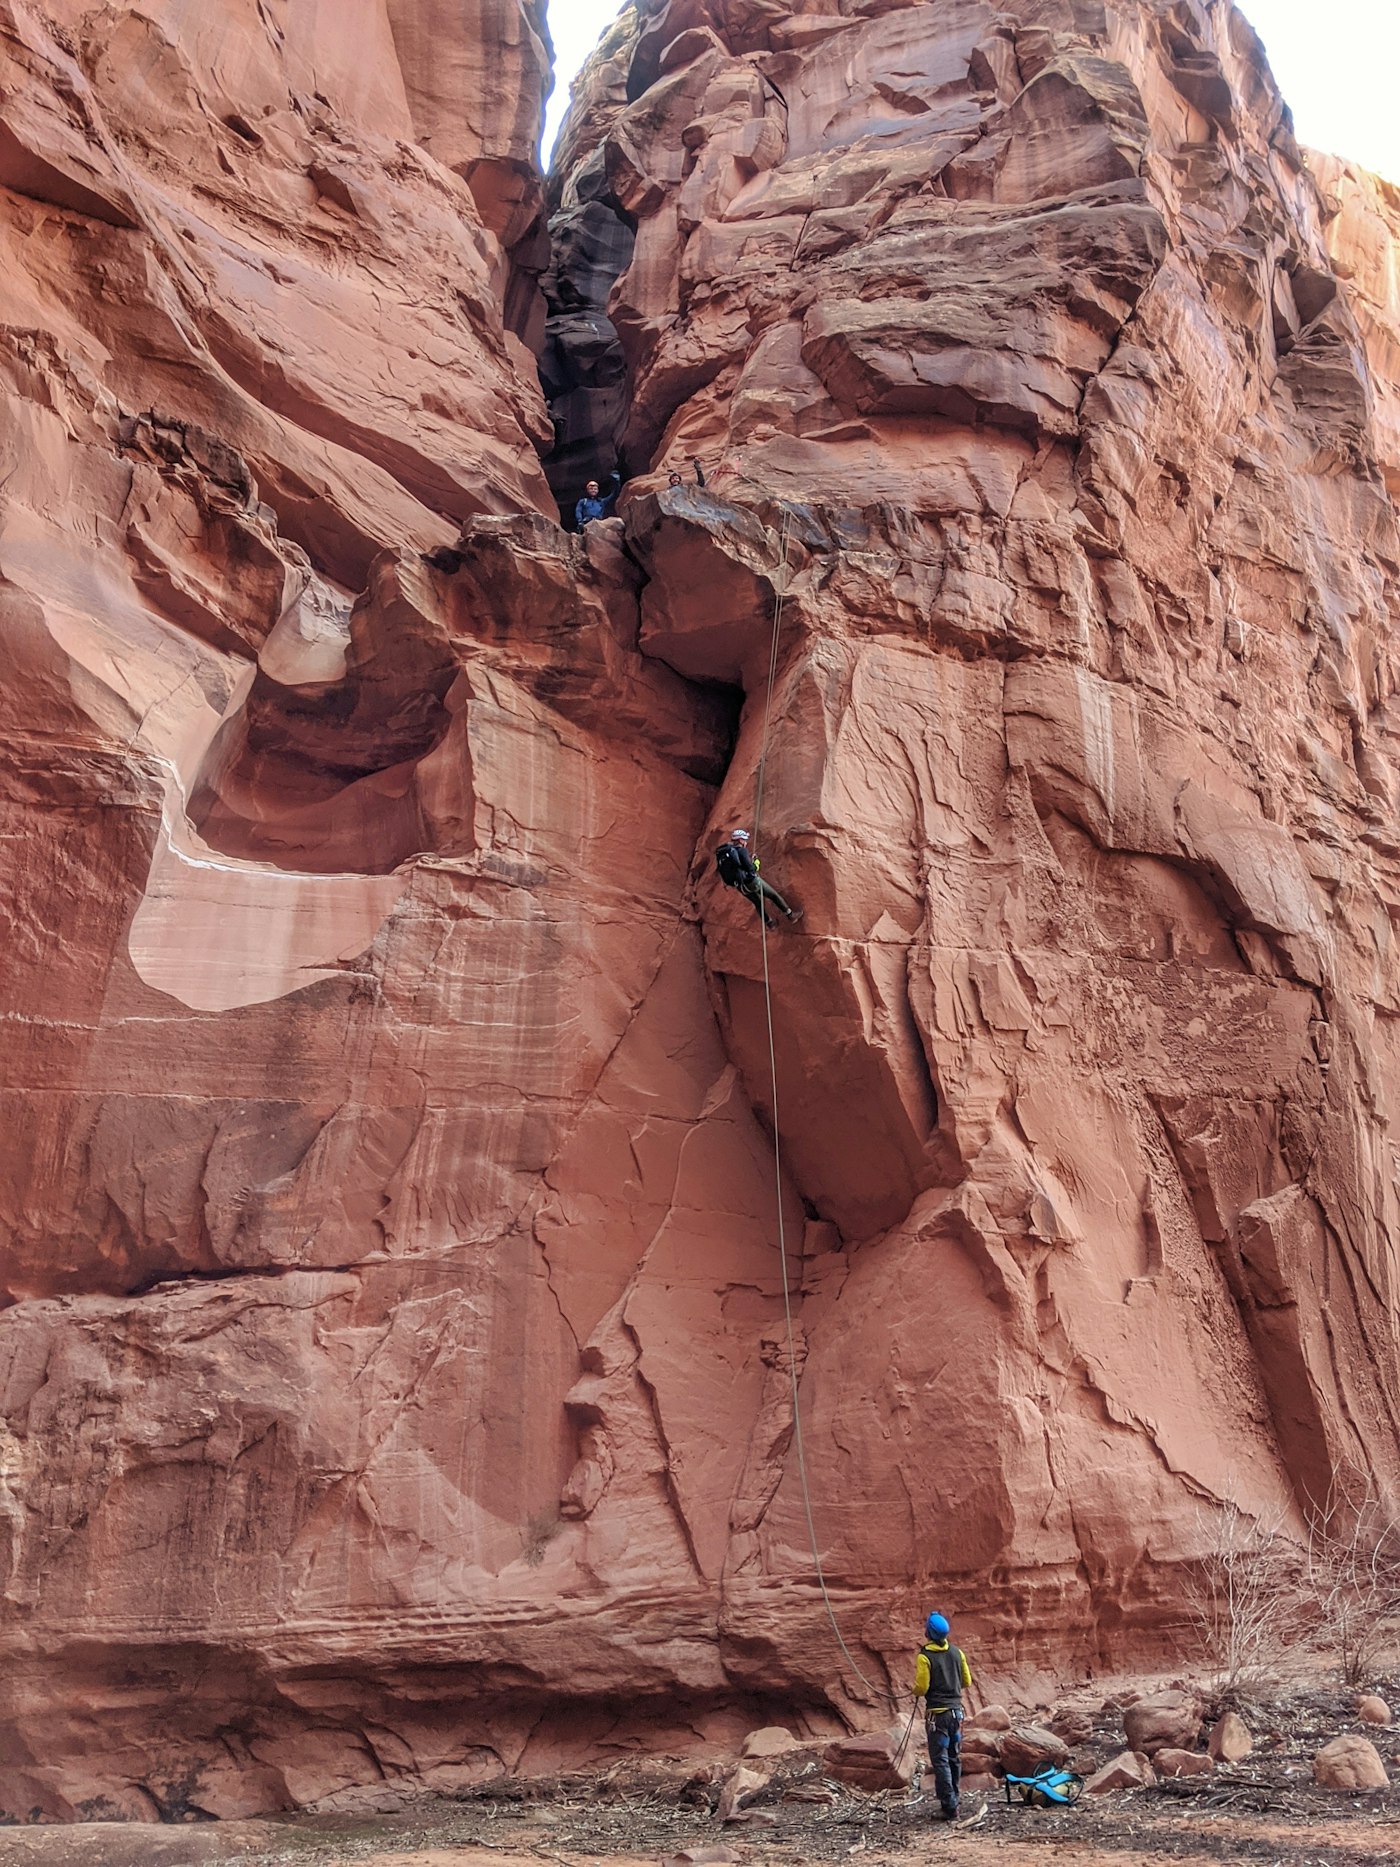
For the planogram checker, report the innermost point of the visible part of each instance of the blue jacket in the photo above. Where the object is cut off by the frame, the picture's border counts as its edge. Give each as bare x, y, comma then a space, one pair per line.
589, 509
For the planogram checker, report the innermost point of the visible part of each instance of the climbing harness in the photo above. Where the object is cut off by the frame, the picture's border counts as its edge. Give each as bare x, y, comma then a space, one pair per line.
797, 1436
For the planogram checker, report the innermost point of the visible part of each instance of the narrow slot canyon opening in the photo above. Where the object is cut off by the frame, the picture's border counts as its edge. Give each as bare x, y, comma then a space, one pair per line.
583, 367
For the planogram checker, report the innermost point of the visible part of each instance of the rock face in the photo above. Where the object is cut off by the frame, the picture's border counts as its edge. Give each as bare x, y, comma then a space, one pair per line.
1362, 221
395, 1380
473, 73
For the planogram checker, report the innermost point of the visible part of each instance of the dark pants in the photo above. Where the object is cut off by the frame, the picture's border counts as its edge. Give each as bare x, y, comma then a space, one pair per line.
944, 1753
758, 891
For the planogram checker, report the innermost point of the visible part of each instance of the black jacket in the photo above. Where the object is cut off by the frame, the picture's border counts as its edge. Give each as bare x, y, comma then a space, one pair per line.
736, 866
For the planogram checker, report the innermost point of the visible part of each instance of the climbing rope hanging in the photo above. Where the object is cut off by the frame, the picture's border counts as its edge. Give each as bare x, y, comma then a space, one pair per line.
797, 1435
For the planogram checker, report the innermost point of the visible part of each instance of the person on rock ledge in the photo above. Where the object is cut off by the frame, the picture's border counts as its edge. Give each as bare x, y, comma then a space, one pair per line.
594, 504
676, 480
940, 1674
739, 870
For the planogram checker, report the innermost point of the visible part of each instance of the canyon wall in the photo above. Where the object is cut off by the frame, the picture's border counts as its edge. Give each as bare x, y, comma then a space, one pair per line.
1361, 217
394, 1378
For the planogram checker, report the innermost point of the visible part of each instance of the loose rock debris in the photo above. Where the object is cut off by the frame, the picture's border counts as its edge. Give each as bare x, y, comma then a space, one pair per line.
1263, 1810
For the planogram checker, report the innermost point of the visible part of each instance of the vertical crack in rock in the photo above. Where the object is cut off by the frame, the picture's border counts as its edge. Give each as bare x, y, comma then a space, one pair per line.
668, 1453
582, 367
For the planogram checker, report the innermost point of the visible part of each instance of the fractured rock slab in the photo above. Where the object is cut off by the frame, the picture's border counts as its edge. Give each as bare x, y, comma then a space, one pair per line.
1230, 1738
1169, 1762
1130, 1770
1164, 1720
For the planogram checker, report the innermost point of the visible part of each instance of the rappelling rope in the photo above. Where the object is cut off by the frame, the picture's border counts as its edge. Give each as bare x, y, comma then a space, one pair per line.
778, 1146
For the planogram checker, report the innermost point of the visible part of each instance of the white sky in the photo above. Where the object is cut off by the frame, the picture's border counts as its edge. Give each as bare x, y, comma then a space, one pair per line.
575, 26
1337, 63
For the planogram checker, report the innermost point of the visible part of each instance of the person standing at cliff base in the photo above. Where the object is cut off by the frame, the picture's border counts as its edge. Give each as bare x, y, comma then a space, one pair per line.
739, 870
594, 504
940, 1674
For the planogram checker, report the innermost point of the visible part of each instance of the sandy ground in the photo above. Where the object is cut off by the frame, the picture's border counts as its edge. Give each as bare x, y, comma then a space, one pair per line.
1122, 1831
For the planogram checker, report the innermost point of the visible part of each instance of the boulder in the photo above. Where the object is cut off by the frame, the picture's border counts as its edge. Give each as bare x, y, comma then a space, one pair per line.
811, 1792
1030, 1747
981, 1754
978, 1783
1163, 1721
1230, 1738
1171, 1762
1073, 1725
743, 1782
872, 1761
1131, 1770
990, 1718
1349, 1762
1372, 1710
990, 1741
773, 1740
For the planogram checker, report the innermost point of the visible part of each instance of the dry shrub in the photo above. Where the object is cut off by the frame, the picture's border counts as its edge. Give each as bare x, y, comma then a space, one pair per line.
1244, 1597
540, 1532
1259, 1599
1352, 1577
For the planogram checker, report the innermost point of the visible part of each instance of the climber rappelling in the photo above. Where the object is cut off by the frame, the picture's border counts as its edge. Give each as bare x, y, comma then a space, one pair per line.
739, 870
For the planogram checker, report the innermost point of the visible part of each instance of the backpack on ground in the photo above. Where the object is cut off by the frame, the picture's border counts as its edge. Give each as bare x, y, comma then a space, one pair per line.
1050, 1788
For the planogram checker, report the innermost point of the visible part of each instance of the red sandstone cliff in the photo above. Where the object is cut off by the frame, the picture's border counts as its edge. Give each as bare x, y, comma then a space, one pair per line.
388, 1210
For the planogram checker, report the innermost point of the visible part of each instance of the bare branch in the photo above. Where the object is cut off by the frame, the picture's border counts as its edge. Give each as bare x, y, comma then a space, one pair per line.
1243, 1596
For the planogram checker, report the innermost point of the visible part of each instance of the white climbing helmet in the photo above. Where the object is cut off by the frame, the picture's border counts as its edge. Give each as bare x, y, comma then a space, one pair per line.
738, 836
